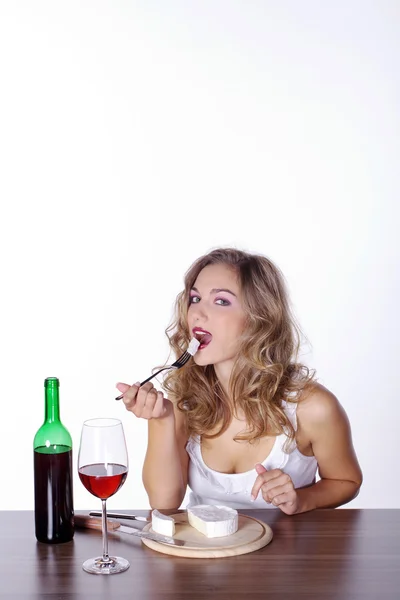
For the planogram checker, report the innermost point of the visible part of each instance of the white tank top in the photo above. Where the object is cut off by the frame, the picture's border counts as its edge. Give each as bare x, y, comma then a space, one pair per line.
211, 487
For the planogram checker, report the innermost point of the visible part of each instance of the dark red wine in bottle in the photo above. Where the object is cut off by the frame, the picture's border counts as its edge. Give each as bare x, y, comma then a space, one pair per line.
54, 510
101, 480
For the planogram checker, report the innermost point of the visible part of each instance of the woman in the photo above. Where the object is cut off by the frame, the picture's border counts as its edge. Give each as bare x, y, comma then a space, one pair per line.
245, 424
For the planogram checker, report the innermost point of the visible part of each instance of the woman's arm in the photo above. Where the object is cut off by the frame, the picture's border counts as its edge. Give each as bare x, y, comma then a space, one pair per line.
323, 424
166, 462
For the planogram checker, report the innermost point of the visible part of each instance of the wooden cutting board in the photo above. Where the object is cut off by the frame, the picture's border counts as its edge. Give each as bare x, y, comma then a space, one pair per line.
251, 535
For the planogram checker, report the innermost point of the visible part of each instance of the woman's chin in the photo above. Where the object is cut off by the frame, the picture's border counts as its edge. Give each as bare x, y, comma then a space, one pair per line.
201, 360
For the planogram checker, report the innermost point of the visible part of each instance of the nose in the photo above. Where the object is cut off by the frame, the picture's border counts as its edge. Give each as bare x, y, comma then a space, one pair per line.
199, 313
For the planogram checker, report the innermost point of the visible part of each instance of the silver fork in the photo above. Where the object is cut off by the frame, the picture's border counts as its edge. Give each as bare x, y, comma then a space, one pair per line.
182, 360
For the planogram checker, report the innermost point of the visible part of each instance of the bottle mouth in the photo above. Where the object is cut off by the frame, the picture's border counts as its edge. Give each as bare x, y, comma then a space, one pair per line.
53, 381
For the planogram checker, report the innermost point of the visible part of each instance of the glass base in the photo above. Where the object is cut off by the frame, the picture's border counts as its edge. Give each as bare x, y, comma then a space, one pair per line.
98, 566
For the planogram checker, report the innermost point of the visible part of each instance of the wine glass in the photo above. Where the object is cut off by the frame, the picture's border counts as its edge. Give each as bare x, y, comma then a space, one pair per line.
103, 468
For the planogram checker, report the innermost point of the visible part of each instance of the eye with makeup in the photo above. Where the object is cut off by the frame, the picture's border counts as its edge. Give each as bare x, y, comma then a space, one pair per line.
194, 299
222, 302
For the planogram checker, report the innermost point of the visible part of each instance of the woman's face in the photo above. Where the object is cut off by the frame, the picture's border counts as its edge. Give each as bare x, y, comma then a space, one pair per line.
216, 316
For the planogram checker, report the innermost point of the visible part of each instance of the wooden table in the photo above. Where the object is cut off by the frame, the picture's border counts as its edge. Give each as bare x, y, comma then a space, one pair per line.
325, 555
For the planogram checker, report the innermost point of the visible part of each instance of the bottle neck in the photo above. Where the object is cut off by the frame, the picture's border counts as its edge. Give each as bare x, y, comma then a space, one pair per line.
51, 400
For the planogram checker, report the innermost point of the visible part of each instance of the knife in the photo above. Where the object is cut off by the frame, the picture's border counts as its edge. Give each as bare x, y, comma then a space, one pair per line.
120, 516
116, 527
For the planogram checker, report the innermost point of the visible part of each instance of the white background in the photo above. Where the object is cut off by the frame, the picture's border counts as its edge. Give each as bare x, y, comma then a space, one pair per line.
137, 135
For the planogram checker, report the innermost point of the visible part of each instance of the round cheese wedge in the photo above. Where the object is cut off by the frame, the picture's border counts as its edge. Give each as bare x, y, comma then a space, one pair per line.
162, 523
213, 521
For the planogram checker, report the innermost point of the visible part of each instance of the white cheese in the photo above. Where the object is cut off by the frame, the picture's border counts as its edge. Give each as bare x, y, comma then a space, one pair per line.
213, 521
162, 524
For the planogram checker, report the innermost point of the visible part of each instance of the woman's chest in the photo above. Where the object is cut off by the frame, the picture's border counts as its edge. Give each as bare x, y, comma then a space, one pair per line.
225, 454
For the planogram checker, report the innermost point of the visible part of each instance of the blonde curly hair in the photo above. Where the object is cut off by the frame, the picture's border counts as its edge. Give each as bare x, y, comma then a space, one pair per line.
266, 370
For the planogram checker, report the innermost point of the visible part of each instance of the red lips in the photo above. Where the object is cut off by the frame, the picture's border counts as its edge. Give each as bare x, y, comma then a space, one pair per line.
203, 336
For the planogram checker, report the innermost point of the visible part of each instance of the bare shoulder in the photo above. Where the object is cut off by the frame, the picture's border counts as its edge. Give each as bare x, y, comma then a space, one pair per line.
319, 406
323, 423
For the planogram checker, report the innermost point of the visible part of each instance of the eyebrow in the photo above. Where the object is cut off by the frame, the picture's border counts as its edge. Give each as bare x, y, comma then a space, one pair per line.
216, 291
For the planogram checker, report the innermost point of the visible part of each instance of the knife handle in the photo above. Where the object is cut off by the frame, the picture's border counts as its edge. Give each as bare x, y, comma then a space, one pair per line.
96, 513
93, 523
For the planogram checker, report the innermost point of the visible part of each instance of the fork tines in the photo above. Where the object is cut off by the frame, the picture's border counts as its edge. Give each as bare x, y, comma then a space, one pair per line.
182, 360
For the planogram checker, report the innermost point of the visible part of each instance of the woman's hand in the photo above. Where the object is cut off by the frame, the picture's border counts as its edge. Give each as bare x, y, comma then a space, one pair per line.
145, 402
276, 488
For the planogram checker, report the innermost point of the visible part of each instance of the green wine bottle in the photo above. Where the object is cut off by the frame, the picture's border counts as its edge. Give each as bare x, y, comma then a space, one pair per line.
52, 450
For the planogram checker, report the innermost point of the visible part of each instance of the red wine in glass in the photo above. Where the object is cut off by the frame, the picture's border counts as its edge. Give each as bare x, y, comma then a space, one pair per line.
103, 480
103, 468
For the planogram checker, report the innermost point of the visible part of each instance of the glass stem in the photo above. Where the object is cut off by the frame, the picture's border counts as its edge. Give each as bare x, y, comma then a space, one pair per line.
106, 557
